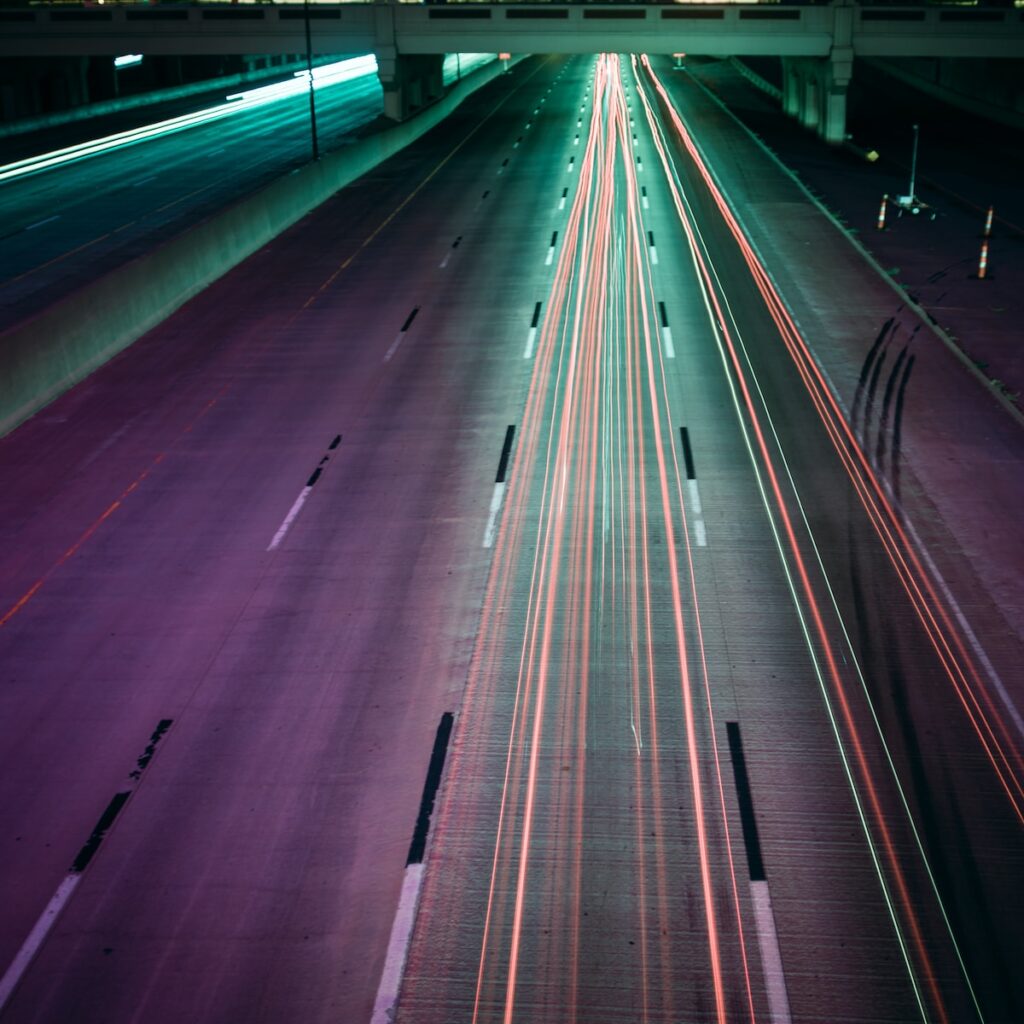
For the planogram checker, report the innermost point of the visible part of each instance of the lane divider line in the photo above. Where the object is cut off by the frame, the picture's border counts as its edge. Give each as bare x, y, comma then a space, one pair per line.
764, 916
401, 334
412, 882
531, 338
666, 333
499, 488
296, 508
448, 254
643, 197
684, 434
492, 516
42, 928
564, 196
699, 528
549, 259
654, 251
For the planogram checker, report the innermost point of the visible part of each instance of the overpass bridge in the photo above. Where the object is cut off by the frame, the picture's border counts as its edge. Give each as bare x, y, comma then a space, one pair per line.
817, 43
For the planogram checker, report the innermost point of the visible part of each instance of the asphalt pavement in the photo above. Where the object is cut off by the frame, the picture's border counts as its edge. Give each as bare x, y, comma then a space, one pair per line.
517, 428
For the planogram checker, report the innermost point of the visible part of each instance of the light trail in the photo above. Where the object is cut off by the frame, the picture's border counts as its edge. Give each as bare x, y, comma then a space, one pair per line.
936, 620
713, 288
252, 99
761, 460
594, 433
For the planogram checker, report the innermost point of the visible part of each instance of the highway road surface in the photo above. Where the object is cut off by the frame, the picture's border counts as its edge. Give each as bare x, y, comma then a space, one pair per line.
66, 225
511, 455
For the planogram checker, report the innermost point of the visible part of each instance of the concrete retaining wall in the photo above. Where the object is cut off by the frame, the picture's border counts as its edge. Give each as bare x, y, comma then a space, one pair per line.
44, 356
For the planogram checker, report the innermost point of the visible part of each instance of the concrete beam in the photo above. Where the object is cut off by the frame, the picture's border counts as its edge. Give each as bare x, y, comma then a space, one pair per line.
711, 29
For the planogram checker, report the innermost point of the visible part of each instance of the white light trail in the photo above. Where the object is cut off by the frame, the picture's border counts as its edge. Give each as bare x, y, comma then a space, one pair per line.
329, 74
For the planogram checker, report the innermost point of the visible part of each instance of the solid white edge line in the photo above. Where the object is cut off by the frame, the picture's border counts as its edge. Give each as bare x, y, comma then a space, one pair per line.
492, 519
695, 497
701, 532
771, 957
398, 947
290, 518
29, 948
666, 340
530, 339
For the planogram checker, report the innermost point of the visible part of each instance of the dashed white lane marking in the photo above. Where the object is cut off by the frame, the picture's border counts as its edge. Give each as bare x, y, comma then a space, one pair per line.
561, 203
290, 518
550, 258
699, 529
666, 341
531, 339
143, 181
444, 262
398, 947
646, 203
36, 937
40, 223
771, 957
492, 519
695, 497
394, 347
654, 255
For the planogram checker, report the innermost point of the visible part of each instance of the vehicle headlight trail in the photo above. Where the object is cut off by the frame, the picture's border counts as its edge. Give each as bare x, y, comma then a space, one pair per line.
237, 103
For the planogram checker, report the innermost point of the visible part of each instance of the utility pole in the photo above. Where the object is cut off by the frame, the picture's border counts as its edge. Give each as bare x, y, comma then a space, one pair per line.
312, 97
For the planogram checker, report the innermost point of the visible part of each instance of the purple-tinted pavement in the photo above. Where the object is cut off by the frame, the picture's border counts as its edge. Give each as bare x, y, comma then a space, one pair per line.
965, 165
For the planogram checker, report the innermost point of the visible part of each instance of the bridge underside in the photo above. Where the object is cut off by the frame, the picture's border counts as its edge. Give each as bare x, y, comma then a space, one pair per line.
817, 43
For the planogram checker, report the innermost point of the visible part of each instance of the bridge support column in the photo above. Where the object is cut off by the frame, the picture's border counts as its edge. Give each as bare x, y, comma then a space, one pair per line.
814, 92
790, 87
837, 81
810, 95
410, 81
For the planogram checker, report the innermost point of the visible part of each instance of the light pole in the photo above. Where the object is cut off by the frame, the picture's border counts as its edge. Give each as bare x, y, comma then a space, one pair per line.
913, 167
312, 98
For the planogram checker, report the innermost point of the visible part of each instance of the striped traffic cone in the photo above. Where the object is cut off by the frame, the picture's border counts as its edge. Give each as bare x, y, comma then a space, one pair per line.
983, 261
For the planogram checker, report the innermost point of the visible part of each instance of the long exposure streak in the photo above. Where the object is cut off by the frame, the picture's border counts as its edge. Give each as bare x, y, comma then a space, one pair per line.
717, 305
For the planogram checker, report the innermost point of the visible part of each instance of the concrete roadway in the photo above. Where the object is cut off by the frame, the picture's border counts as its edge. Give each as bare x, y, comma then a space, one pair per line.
255, 869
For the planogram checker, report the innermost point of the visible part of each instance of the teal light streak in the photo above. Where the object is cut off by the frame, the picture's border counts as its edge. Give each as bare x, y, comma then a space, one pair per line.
328, 75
